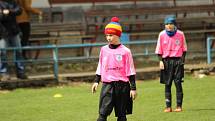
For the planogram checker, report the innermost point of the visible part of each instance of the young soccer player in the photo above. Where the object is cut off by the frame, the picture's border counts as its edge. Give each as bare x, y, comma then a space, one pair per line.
171, 50
117, 73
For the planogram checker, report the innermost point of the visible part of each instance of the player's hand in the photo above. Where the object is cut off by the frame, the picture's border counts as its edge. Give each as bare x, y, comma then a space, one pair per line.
94, 87
6, 11
133, 94
161, 65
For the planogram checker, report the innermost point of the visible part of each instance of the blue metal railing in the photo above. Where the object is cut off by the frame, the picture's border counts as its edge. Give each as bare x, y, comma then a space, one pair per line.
55, 55
210, 49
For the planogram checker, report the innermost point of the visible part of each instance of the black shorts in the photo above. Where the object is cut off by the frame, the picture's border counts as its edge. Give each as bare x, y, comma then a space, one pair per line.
115, 95
173, 70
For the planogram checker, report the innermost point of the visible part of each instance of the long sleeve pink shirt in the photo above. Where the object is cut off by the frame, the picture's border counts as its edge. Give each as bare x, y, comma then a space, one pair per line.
115, 64
171, 46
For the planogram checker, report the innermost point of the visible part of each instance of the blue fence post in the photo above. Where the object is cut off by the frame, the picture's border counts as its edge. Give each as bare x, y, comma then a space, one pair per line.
208, 50
55, 59
146, 51
14, 55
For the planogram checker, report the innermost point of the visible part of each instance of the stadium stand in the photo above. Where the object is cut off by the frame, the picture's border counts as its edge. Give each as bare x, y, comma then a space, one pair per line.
141, 19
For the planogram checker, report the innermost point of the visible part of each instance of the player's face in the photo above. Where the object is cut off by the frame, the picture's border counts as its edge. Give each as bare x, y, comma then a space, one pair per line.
112, 39
170, 27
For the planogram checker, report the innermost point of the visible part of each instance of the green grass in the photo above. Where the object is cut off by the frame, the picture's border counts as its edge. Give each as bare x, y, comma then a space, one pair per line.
78, 104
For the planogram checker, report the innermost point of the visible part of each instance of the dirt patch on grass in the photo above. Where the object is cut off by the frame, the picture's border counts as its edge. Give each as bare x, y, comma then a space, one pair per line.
4, 91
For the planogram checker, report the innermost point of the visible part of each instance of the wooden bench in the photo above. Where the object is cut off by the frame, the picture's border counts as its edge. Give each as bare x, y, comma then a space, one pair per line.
52, 33
57, 27
151, 11
102, 16
55, 39
52, 2
158, 24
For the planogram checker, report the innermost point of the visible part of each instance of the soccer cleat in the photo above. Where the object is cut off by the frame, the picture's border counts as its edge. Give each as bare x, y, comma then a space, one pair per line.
178, 109
167, 110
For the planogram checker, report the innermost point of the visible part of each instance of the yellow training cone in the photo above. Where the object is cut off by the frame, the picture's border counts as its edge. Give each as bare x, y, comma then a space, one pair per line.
58, 95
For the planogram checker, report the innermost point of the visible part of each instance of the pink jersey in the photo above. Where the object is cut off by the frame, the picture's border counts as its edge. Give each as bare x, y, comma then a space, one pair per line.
115, 64
171, 46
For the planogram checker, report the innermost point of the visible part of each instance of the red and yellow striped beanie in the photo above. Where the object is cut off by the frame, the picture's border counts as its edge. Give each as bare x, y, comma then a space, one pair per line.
113, 27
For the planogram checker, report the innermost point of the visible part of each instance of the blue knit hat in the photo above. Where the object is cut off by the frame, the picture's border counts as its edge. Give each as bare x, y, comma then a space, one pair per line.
170, 20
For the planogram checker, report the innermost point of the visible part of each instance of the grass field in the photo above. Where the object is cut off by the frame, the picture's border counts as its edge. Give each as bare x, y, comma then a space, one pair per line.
79, 104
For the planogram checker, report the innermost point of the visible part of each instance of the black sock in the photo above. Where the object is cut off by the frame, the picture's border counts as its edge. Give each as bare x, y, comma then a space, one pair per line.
168, 99
122, 118
102, 118
179, 98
